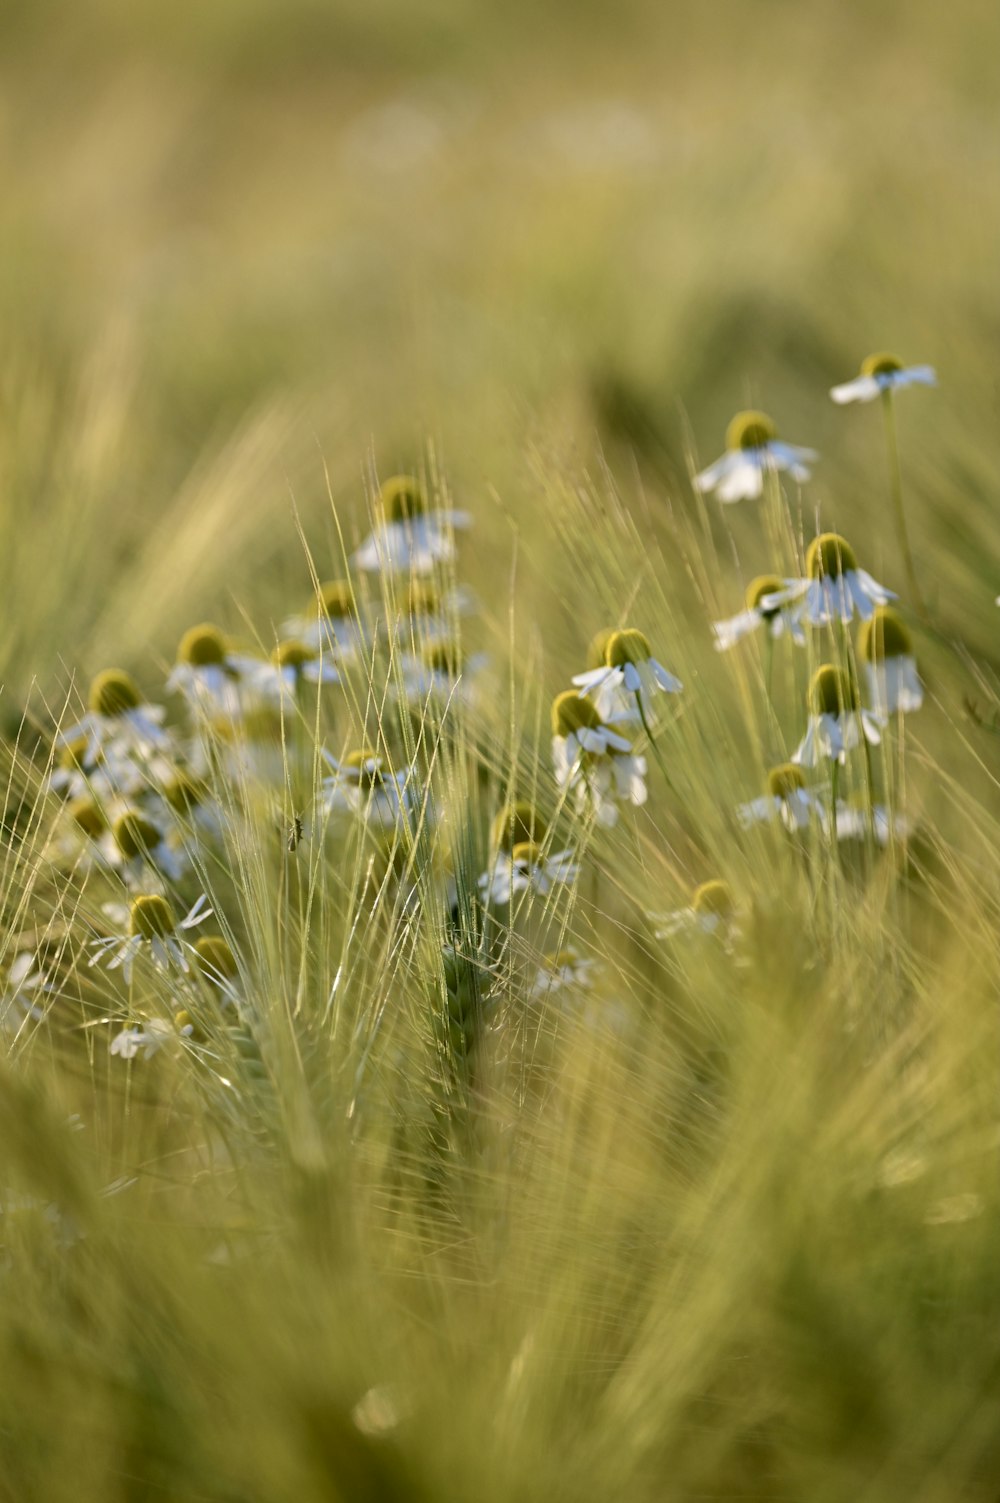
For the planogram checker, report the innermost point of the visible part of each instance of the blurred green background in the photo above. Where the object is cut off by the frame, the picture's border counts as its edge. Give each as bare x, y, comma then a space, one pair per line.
247, 243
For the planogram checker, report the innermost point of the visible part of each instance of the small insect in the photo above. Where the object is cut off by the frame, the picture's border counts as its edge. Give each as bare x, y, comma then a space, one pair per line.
295, 833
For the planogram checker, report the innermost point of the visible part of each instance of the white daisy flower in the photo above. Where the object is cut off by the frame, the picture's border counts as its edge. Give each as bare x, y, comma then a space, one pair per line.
332, 623
363, 785
624, 688
526, 867
834, 589
430, 616
882, 373
291, 665
142, 1039
787, 799
752, 450
777, 618
857, 824
439, 674
30, 979
409, 539
152, 927
837, 721
593, 759
711, 911
886, 649
564, 970
209, 673
118, 721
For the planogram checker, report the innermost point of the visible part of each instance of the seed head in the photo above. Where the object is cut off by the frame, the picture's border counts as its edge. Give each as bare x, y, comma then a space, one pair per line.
516, 824
829, 556
627, 647
571, 713
151, 917
202, 646
135, 835
113, 692
402, 499
884, 636
785, 780
764, 584
750, 430
880, 365
88, 816
713, 897
831, 692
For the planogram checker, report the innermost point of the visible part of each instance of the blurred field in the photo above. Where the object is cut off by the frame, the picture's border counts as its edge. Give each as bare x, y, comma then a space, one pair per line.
244, 241
254, 258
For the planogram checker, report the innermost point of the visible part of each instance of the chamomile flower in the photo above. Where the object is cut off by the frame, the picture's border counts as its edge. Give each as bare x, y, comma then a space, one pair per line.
218, 967
882, 373
429, 615
711, 911
787, 799
631, 678
440, 674
834, 589
363, 785
408, 538
777, 618
526, 867
141, 844
153, 929
593, 759
886, 649
145, 1039
208, 672
857, 824
837, 721
30, 979
564, 970
119, 722
291, 666
752, 450
332, 623
516, 823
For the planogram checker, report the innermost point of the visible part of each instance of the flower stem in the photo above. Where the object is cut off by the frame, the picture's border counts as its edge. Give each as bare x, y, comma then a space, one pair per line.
896, 487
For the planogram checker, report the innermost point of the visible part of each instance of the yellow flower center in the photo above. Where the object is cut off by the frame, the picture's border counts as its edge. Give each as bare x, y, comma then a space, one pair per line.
829, 556
785, 780
215, 958
294, 655
831, 692
184, 793
571, 713
517, 823
880, 365
527, 851
764, 584
113, 692
367, 767
442, 657
627, 647
152, 917
713, 897
135, 835
336, 600
750, 430
202, 646
884, 636
597, 652
402, 499
88, 816
422, 598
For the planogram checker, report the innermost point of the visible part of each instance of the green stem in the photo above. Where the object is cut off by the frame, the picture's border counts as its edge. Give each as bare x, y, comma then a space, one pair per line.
652, 743
896, 487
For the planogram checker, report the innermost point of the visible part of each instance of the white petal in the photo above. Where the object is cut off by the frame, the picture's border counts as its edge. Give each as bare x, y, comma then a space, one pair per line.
862, 389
